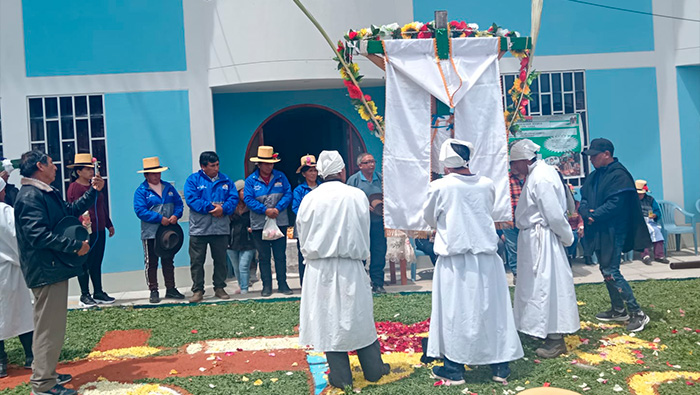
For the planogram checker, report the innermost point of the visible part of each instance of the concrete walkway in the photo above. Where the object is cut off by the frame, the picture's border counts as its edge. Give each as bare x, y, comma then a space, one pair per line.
634, 270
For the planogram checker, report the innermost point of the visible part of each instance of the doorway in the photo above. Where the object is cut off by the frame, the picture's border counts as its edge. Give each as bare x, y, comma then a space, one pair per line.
305, 129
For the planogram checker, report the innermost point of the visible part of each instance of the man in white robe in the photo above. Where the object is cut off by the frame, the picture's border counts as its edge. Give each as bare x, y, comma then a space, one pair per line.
336, 314
15, 302
545, 299
472, 319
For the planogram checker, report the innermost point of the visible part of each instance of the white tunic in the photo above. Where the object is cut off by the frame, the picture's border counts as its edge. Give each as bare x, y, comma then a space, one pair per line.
472, 319
336, 311
15, 301
545, 299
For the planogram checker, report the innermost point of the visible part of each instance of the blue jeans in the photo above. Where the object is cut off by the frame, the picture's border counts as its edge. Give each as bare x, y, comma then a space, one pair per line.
512, 248
571, 251
240, 260
618, 288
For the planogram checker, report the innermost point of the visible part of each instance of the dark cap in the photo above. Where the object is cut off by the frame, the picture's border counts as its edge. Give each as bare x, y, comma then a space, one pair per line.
599, 145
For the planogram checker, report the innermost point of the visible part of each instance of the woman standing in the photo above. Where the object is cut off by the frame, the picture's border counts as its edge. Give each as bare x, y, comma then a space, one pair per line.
310, 174
98, 221
241, 249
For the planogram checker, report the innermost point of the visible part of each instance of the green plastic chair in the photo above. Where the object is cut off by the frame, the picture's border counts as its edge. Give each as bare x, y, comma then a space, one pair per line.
668, 222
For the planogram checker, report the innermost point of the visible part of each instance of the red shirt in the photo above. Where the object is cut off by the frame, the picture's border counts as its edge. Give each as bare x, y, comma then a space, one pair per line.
76, 190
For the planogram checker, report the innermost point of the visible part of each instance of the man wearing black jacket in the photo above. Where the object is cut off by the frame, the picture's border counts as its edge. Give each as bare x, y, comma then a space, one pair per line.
38, 209
613, 224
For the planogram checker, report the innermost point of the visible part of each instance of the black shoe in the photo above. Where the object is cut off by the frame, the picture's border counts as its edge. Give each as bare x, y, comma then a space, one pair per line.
3, 368
612, 315
155, 297
662, 260
173, 293
87, 301
28, 362
647, 260
285, 290
102, 298
378, 289
266, 291
63, 378
637, 321
57, 390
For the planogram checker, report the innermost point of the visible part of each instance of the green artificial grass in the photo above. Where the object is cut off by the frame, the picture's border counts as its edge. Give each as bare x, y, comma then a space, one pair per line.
671, 305
294, 384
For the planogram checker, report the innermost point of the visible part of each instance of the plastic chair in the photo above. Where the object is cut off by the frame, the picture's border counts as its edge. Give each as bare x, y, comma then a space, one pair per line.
668, 222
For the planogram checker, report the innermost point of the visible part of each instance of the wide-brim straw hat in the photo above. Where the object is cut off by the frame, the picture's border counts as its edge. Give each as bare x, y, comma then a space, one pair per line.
641, 186
152, 165
266, 154
307, 160
81, 160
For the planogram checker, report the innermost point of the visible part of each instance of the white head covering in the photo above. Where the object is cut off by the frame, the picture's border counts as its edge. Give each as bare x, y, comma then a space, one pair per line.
448, 156
2, 184
524, 150
7, 165
329, 162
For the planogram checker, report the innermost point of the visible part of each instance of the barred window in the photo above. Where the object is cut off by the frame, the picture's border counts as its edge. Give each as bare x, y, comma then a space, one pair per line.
561, 92
65, 125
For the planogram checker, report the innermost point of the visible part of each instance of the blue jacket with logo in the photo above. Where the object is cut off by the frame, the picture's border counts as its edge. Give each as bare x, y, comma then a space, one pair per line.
151, 208
299, 192
259, 196
200, 193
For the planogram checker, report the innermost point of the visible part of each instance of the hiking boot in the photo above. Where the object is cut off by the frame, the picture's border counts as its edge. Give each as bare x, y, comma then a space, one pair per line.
647, 260
552, 348
266, 291
449, 378
500, 371
285, 290
637, 321
197, 297
221, 293
173, 293
28, 362
3, 368
87, 301
57, 389
155, 297
378, 289
612, 315
102, 298
662, 260
63, 378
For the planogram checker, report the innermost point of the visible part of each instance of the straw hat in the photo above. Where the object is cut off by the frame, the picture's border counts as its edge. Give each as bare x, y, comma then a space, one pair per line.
266, 154
152, 165
307, 160
641, 186
81, 160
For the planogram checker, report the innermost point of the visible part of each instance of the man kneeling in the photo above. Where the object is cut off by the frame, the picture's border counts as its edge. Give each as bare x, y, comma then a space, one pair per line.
336, 313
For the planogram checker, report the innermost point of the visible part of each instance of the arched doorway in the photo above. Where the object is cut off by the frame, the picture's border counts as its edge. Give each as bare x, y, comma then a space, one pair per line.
305, 129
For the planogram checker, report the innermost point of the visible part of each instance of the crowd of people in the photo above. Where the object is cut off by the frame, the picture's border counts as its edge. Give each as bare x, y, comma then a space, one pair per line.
339, 227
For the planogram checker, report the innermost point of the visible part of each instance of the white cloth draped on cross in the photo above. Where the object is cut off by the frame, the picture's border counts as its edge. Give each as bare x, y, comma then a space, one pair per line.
470, 83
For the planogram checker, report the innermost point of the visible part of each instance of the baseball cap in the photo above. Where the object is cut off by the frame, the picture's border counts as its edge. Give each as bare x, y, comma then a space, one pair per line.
599, 145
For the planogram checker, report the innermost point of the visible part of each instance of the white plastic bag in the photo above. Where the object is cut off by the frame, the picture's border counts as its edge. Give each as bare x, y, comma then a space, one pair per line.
271, 231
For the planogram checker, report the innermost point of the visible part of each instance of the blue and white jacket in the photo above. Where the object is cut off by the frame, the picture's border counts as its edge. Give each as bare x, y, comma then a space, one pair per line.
151, 208
200, 193
259, 196
299, 192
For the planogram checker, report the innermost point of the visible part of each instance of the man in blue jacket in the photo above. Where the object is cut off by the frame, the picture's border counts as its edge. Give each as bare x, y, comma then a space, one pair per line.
268, 194
157, 203
211, 197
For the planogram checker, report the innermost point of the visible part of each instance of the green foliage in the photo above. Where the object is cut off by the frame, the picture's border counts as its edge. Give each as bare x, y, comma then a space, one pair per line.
294, 384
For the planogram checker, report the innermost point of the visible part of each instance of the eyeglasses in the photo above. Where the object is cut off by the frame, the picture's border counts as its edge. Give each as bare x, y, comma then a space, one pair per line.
368, 162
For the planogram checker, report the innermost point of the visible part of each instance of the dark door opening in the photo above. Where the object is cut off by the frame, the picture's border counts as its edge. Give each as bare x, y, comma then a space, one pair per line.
306, 129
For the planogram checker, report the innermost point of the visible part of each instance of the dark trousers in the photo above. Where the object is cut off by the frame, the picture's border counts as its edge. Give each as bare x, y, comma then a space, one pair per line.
26, 340
618, 288
302, 265
370, 357
377, 250
658, 250
427, 247
151, 265
198, 253
279, 250
93, 264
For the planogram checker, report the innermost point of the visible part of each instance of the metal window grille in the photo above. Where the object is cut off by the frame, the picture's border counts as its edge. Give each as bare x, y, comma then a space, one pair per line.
560, 92
62, 126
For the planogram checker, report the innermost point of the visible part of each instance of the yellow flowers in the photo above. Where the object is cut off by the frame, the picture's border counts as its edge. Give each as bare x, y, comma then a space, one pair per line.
353, 67
620, 349
410, 28
645, 383
124, 353
257, 382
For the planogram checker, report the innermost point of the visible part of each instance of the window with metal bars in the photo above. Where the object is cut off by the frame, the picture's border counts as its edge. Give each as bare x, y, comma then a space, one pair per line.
556, 92
62, 126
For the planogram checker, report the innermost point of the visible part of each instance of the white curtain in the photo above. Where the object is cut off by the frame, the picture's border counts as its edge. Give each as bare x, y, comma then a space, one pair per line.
470, 83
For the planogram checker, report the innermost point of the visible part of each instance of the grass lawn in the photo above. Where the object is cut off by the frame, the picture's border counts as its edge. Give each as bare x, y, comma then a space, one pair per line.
673, 306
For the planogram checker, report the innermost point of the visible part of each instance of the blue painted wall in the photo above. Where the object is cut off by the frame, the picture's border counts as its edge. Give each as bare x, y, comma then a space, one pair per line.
689, 115
77, 37
238, 115
566, 28
140, 125
623, 108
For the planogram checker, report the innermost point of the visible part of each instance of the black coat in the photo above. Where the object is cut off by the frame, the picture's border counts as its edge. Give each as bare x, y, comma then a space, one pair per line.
241, 239
11, 194
611, 194
37, 211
